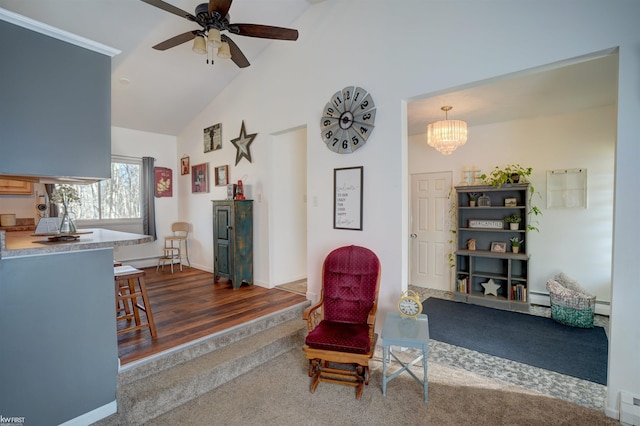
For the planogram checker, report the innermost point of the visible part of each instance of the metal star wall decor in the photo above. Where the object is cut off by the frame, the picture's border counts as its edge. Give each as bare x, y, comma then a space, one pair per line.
242, 144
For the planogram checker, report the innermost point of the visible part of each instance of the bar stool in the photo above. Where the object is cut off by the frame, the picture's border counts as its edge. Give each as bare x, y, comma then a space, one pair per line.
173, 246
130, 287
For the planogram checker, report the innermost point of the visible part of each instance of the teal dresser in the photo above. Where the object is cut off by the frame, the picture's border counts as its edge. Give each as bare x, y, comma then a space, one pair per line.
233, 241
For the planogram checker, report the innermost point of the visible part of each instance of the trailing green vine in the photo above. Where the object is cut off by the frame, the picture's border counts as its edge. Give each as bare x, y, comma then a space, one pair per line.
453, 228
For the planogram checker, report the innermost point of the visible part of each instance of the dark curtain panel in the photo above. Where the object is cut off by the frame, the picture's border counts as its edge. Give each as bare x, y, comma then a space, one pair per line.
148, 198
53, 208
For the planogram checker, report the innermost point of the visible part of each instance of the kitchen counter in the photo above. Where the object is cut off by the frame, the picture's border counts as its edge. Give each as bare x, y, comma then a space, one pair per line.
23, 243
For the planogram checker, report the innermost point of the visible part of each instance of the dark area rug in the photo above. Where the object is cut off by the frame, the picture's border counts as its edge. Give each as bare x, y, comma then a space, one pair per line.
529, 339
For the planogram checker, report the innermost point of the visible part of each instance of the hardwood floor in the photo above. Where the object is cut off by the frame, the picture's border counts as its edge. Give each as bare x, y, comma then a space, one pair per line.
187, 305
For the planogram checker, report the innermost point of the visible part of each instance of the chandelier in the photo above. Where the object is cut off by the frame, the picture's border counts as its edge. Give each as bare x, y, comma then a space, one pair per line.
447, 135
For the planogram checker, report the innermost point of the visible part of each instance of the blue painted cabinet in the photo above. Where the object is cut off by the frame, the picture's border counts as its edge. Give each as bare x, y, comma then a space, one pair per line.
233, 241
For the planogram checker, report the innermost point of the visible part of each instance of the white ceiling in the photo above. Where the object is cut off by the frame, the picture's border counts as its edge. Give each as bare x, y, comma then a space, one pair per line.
163, 91
555, 89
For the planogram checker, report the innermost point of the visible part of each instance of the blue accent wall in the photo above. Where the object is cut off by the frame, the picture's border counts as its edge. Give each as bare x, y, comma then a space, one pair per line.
59, 346
55, 106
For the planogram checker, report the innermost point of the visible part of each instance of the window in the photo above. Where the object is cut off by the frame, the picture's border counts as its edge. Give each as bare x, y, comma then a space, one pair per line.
115, 198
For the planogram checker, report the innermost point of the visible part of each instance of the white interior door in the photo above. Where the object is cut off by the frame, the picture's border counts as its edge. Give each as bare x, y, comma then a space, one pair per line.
430, 230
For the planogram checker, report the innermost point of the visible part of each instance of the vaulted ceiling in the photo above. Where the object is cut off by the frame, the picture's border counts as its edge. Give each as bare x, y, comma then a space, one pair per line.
161, 91
157, 91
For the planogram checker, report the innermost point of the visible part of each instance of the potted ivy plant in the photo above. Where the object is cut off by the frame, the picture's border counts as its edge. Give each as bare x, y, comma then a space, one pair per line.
513, 221
512, 174
515, 244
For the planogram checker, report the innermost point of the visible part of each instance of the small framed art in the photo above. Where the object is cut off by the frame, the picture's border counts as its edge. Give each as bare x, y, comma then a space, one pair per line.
200, 178
499, 247
184, 166
510, 202
347, 198
222, 175
163, 183
213, 138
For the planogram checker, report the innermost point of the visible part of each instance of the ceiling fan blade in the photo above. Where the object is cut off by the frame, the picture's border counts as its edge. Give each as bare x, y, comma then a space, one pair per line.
264, 31
174, 41
236, 54
171, 9
220, 6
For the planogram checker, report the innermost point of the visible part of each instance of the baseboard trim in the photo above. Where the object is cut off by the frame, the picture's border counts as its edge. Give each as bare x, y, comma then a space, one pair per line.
542, 299
93, 415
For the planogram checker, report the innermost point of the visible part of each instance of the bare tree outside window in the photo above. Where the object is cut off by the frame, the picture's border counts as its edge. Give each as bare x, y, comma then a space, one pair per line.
115, 198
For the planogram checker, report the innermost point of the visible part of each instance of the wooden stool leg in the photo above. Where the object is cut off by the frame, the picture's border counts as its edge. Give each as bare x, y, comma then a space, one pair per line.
147, 306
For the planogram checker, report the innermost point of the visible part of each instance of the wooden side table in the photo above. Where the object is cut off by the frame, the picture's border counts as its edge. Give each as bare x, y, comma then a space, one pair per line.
408, 333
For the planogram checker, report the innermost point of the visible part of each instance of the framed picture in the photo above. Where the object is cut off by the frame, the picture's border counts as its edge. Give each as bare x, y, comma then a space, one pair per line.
510, 202
347, 198
222, 175
499, 247
163, 182
184, 166
213, 138
200, 178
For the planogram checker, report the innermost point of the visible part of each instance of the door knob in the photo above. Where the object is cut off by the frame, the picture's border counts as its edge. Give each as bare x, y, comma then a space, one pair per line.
229, 227
414, 235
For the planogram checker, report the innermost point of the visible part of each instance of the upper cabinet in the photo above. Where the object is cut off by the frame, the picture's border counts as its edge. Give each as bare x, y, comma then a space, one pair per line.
55, 108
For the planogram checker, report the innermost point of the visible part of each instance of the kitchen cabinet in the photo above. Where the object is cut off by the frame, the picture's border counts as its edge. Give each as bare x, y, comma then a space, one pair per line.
15, 187
233, 241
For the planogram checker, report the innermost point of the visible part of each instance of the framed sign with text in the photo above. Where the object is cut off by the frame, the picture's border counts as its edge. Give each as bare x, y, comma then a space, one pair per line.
347, 198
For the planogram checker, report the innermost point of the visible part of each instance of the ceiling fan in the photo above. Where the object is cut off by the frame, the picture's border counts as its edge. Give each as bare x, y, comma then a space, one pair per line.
214, 18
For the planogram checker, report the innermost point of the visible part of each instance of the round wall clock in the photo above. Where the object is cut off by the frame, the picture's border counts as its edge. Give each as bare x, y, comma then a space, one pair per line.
409, 304
347, 120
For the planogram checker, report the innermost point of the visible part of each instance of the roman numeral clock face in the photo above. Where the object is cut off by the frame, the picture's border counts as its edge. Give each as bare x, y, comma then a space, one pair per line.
347, 120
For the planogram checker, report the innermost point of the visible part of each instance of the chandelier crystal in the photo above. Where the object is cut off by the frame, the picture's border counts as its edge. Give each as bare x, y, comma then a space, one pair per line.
447, 135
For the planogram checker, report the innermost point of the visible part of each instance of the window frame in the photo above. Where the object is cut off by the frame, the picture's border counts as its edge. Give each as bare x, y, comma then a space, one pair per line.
125, 224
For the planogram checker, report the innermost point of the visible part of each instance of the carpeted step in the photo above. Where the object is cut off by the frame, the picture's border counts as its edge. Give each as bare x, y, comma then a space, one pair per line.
150, 389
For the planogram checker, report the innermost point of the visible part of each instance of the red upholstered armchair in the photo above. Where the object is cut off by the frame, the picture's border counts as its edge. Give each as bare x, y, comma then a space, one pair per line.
341, 338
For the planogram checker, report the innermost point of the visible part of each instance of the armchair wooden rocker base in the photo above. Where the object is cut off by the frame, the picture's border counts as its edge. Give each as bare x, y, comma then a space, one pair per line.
340, 327
339, 368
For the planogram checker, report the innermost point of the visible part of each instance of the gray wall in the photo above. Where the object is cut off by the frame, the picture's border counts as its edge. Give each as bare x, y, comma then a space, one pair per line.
59, 346
55, 106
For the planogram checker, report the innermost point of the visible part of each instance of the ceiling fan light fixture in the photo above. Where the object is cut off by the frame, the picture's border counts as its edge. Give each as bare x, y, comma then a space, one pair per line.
213, 38
199, 45
224, 51
447, 135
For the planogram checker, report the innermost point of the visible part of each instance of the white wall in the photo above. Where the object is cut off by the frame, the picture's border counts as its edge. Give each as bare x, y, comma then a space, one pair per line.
397, 51
576, 241
23, 206
135, 143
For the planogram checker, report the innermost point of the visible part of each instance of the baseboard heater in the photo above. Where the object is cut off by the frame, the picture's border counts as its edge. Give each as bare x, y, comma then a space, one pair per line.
629, 409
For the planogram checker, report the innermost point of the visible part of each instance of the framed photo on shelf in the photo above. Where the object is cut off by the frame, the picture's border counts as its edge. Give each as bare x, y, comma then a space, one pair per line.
347, 198
184, 165
200, 178
222, 175
510, 202
499, 246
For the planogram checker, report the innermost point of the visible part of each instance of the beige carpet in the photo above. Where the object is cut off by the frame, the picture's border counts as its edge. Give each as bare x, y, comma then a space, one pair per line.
278, 394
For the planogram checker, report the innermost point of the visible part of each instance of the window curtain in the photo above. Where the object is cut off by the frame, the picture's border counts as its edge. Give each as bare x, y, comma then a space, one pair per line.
148, 198
53, 207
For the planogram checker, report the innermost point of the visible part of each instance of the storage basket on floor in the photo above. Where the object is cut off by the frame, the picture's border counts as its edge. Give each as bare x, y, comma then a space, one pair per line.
569, 305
